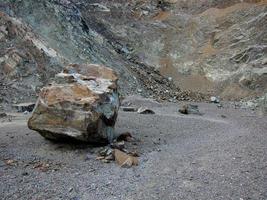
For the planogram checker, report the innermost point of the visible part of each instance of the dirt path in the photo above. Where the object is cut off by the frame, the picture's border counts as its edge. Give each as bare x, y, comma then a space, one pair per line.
182, 157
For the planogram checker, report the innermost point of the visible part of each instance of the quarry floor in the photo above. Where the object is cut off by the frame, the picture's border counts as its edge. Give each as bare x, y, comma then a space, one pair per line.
221, 154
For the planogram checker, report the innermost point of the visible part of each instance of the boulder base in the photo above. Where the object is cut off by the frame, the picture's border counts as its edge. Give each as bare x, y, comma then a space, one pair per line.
82, 104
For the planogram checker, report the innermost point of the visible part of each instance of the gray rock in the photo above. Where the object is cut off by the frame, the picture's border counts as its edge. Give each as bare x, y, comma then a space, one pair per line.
143, 110
129, 109
214, 99
24, 107
190, 109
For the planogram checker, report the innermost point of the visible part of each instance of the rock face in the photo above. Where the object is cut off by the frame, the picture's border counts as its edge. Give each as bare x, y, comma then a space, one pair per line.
81, 104
26, 62
216, 47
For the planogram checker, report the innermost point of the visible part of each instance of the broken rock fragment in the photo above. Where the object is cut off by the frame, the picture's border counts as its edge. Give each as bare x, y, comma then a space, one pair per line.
190, 109
143, 110
125, 160
81, 104
22, 107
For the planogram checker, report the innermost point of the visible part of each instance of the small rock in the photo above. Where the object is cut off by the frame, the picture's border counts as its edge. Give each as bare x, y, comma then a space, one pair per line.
2, 115
124, 137
142, 110
106, 152
169, 78
10, 162
118, 145
26, 112
129, 109
125, 160
214, 99
24, 107
219, 105
190, 109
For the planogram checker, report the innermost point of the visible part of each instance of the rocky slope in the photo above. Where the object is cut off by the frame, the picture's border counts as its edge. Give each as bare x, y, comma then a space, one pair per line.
215, 47
26, 62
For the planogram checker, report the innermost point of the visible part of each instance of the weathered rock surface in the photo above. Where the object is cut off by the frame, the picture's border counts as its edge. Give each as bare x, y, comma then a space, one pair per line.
81, 104
26, 62
215, 47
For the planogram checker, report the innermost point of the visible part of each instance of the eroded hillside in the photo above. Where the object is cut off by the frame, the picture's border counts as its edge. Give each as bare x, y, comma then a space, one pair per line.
215, 47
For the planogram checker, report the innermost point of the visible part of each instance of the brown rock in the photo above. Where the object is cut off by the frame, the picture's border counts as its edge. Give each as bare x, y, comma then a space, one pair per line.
82, 104
125, 160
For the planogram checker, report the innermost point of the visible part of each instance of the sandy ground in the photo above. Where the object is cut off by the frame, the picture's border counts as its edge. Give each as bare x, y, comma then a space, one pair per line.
182, 157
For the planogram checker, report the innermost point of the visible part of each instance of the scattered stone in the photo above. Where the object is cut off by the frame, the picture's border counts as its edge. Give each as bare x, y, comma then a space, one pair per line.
106, 155
26, 112
118, 145
214, 99
106, 152
10, 162
129, 109
82, 104
2, 115
219, 105
125, 160
142, 110
190, 109
125, 137
24, 107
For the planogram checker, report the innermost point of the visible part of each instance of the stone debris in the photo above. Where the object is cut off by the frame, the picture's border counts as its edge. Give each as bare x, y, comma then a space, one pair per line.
118, 145
2, 115
125, 160
81, 104
144, 110
125, 137
214, 99
117, 151
190, 109
129, 109
24, 107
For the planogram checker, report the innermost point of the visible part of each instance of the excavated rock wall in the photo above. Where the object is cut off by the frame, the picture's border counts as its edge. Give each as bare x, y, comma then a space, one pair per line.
215, 47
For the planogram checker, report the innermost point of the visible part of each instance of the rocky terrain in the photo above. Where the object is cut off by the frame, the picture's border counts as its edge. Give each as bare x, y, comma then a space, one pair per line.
194, 131
167, 50
218, 155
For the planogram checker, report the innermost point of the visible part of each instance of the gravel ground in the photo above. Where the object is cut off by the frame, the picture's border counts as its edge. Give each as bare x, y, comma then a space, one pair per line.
219, 155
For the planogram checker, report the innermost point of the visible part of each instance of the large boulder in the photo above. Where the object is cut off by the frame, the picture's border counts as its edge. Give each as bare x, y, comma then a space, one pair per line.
81, 104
